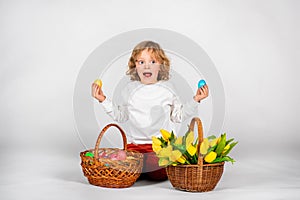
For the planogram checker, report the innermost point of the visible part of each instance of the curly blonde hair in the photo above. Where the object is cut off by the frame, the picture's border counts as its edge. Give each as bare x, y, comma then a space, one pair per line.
158, 53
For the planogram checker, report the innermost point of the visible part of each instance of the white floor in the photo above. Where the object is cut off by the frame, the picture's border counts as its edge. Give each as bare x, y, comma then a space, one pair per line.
40, 177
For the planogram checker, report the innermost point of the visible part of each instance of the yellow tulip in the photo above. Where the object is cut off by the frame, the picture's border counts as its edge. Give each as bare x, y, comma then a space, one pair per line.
181, 159
204, 146
213, 142
178, 140
156, 148
163, 162
219, 139
156, 141
226, 148
191, 150
165, 152
211, 156
156, 144
189, 139
165, 134
175, 155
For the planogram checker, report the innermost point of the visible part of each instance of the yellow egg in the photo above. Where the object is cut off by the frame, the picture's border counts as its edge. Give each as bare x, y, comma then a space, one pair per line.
98, 82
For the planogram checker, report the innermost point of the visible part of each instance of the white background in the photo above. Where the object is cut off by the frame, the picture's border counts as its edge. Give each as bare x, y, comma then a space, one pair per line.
253, 44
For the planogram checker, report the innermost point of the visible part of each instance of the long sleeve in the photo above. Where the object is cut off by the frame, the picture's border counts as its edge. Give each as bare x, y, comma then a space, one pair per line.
118, 113
147, 109
180, 112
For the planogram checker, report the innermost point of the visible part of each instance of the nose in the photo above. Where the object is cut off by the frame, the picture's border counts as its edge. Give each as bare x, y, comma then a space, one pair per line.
147, 66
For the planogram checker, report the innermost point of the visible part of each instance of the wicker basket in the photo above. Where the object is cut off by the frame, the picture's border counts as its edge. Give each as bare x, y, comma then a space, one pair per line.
195, 178
111, 173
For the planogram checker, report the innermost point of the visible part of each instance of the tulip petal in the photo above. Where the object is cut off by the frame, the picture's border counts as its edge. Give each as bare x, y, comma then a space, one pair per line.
163, 162
156, 148
210, 157
191, 150
178, 140
175, 155
165, 152
204, 146
165, 134
189, 138
156, 141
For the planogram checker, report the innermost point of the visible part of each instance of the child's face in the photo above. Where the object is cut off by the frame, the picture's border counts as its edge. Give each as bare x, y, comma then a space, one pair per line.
147, 67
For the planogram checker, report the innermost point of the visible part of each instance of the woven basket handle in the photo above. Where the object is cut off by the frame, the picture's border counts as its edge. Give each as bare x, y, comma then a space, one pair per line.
101, 135
200, 136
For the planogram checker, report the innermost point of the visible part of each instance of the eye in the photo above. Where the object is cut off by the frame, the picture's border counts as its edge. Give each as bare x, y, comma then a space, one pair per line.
153, 62
141, 62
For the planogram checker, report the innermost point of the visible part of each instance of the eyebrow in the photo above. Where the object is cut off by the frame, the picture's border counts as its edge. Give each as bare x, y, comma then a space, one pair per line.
145, 59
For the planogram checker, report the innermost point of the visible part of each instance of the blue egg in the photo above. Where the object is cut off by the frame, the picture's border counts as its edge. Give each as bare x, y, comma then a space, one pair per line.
201, 83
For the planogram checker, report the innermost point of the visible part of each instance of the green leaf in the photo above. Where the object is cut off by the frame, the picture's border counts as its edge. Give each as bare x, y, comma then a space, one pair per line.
172, 137
211, 149
218, 160
227, 158
184, 137
163, 142
195, 159
228, 141
221, 144
196, 142
223, 159
231, 146
180, 147
211, 137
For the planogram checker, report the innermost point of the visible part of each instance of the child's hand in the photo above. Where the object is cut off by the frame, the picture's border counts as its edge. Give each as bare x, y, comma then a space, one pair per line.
202, 93
97, 93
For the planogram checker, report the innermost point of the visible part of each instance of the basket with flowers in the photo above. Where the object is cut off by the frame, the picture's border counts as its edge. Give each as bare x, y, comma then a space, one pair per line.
193, 165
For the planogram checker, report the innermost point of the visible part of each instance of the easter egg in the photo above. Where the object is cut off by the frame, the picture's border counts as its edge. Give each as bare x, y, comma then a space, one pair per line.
98, 82
89, 154
102, 155
121, 155
201, 83
113, 156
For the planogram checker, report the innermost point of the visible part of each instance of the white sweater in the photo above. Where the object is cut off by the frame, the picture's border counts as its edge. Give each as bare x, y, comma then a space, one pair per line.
149, 108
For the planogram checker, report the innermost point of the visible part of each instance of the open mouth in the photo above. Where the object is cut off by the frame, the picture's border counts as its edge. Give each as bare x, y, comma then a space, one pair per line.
147, 74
